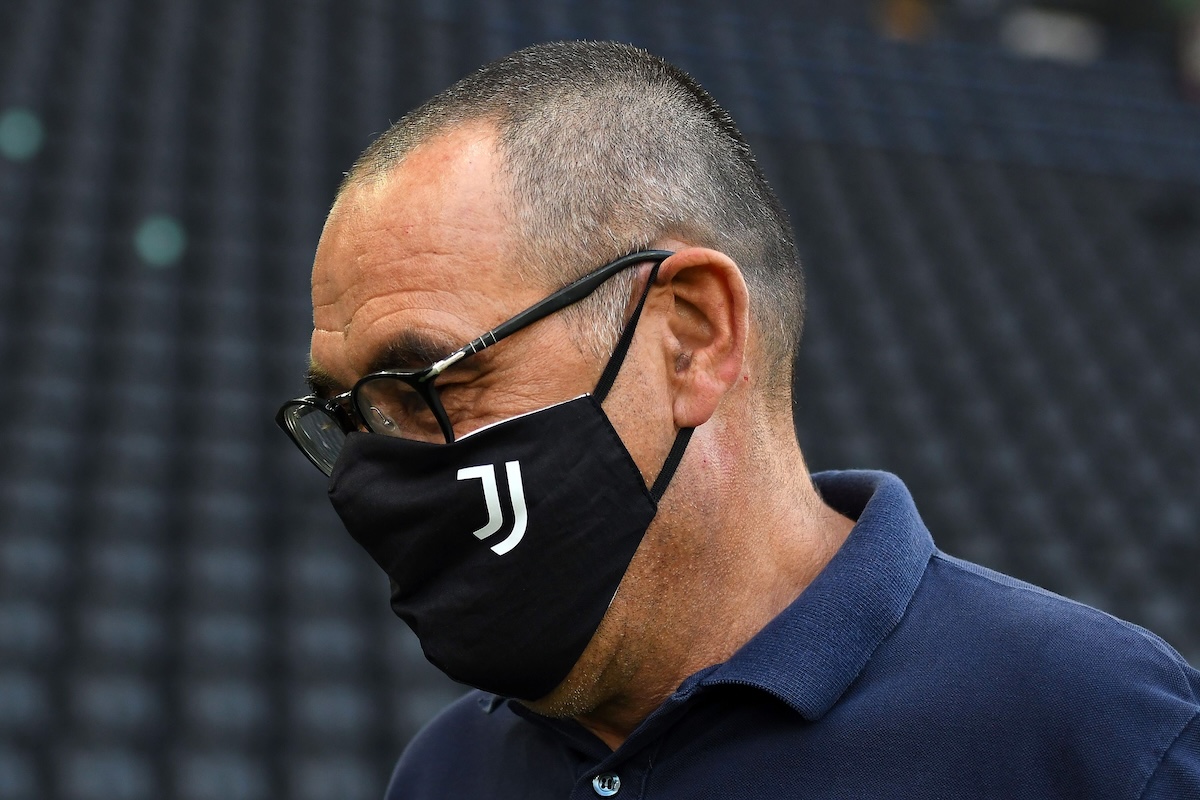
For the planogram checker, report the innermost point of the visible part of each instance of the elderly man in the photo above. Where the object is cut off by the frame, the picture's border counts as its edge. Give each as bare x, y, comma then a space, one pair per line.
596, 512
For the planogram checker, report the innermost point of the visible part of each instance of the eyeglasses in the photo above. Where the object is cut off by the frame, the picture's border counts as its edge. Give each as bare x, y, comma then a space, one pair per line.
405, 403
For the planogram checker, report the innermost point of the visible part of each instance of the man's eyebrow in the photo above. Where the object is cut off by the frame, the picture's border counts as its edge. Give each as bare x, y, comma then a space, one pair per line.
413, 350
321, 383
410, 350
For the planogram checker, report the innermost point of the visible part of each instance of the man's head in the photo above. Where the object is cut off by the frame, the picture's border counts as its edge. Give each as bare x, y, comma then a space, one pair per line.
604, 149
517, 180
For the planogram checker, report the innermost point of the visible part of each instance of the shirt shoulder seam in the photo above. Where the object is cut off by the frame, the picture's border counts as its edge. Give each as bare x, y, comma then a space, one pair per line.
1163, 755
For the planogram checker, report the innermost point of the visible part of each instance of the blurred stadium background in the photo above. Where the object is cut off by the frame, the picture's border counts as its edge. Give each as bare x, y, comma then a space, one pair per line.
998, 205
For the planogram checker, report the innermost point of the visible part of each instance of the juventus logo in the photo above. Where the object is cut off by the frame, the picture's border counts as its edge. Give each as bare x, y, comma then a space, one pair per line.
491, 496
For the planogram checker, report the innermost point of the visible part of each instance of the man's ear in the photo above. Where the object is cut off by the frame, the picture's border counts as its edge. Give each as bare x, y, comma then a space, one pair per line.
708, 325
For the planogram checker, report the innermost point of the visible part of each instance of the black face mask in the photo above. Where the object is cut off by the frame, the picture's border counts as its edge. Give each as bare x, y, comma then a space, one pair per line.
505, 547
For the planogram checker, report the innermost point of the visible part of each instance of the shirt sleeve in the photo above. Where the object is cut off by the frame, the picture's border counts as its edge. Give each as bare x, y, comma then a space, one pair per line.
1178, 774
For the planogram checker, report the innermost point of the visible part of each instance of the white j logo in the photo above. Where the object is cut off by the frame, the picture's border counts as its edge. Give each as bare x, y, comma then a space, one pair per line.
491, 496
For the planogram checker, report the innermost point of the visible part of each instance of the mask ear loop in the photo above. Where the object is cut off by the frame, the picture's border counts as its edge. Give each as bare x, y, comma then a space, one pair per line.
609, 376
671, 464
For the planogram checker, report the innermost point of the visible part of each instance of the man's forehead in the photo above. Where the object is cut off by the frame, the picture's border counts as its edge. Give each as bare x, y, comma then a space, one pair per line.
426, 249
443, 200
460, 164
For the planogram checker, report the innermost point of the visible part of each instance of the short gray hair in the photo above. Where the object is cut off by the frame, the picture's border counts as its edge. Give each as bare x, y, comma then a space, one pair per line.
609, 149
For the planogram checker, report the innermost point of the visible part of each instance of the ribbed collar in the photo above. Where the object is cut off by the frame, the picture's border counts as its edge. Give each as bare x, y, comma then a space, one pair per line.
810, 654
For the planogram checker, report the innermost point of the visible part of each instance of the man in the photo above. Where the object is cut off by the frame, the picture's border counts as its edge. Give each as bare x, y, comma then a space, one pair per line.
596, 510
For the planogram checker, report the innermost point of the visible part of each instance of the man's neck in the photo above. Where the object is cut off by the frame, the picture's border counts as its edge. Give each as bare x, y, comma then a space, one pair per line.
716, 583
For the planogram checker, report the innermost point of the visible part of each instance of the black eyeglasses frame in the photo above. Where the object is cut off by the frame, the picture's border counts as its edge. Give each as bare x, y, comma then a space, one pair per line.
343, 408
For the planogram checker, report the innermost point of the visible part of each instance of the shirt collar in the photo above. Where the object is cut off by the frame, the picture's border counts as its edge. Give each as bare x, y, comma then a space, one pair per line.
810, 654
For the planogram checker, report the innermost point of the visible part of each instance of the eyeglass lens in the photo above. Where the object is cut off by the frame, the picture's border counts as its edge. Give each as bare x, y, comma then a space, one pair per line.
393, 407
317, 433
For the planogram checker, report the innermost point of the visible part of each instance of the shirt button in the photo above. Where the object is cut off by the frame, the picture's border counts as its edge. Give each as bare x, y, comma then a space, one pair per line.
607, 785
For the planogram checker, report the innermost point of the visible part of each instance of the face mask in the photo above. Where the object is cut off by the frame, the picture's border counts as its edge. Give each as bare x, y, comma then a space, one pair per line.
505, 547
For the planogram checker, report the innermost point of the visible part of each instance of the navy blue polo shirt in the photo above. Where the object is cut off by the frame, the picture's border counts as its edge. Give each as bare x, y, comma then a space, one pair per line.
900, 672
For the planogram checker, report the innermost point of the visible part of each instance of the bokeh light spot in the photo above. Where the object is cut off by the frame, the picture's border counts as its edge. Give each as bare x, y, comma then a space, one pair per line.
21, 134
160, 240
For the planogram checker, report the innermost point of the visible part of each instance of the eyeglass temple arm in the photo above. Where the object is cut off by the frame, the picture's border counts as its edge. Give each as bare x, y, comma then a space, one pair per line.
568, 295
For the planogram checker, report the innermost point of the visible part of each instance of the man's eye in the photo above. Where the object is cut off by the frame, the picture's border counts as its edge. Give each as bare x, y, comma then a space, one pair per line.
399, 411
394, 408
